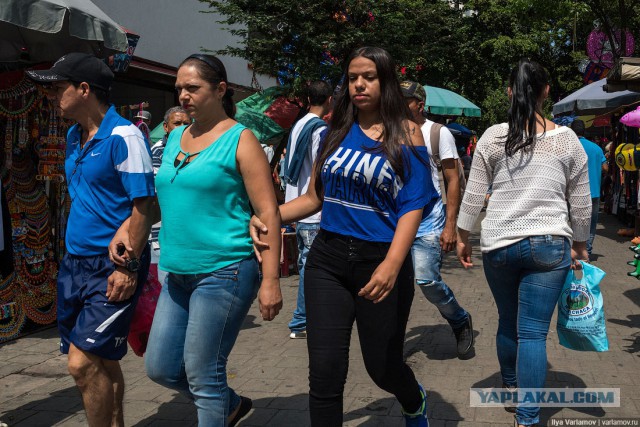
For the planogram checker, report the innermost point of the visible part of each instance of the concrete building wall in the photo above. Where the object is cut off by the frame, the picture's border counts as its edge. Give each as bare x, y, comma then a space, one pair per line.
170, 30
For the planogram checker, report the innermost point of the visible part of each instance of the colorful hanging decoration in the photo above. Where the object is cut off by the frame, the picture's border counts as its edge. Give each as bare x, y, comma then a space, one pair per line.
632, 118
601, 52
18, 101
51, 151
287, 72
594, 72
34, 150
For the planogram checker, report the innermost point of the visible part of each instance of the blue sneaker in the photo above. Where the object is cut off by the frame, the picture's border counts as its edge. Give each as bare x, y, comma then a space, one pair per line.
419, 418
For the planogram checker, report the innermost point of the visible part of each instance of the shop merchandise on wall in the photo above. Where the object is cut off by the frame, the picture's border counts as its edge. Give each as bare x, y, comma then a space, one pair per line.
35, 205
131, 111
622, 199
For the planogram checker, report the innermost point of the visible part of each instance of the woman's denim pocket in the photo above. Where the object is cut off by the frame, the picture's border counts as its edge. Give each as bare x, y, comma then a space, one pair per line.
230, 272
548, 251
497, 257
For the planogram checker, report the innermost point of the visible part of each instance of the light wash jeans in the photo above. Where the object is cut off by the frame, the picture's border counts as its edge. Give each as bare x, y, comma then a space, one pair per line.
526, 280
197, 321
305, 233
155, 259
595, 207
427, 261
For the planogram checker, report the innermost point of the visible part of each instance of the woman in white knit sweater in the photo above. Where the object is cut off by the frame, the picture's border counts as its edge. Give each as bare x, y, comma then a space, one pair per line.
540, 203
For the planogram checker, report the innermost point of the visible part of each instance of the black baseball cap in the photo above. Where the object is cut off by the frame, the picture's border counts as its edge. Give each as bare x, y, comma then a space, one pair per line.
76, 67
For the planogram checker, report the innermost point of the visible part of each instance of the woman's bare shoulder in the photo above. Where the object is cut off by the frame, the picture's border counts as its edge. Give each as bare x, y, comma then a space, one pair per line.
414, 133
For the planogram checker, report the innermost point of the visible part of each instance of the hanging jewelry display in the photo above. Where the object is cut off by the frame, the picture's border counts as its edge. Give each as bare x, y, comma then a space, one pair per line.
51, 151
34, 150
25, 92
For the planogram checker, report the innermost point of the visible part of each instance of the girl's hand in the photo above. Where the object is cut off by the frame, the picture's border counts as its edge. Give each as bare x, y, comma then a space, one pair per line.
381, 283
464, 250
269, 299
256, 228
578, 253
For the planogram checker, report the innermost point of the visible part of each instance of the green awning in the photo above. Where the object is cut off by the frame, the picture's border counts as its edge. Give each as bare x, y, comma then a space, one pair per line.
157, 133
443, 102
251, 113
262, 126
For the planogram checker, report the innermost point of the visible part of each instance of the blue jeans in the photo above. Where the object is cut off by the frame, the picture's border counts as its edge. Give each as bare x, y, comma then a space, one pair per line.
155, 259
526, 280
427, 261
197, 321
595, 207
305, 233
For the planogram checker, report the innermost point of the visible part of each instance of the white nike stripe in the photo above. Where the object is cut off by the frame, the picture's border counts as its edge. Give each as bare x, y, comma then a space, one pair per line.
111, 319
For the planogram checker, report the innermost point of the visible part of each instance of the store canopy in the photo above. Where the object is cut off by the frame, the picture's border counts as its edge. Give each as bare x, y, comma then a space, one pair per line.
592, 99
443, 102
458, 130
34, 31
625, 75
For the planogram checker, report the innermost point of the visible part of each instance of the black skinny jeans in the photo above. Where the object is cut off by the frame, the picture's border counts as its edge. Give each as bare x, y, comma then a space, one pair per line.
337, 268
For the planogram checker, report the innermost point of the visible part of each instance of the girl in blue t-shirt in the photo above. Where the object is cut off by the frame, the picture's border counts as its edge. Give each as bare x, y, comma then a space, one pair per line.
372, 184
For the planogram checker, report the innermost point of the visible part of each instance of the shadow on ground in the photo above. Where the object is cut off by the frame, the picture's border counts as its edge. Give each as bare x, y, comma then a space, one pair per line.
44, 332
437, 342
250, 322
294, 411
45, 412
632, 321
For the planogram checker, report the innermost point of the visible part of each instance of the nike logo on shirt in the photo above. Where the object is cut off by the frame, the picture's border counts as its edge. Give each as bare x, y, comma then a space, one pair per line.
95, 154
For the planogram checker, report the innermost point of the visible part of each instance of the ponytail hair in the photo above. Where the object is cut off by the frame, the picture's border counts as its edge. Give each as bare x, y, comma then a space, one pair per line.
228, 104
528, 82
212, 70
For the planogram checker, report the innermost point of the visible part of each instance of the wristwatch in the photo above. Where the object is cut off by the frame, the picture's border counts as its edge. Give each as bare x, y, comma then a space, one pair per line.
133, 264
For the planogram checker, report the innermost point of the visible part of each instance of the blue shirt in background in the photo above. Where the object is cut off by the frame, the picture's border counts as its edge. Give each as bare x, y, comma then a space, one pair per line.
595, 159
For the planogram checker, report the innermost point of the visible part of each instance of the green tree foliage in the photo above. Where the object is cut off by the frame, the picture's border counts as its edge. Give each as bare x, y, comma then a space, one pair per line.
469, 50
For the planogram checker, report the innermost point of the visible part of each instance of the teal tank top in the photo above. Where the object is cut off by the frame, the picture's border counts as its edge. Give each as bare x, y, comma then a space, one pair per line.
205, 207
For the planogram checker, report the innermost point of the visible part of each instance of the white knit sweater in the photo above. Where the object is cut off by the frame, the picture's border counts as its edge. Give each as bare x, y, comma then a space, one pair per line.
530, 189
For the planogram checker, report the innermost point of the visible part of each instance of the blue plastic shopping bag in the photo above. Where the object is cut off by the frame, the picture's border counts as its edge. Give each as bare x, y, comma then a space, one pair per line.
581, 323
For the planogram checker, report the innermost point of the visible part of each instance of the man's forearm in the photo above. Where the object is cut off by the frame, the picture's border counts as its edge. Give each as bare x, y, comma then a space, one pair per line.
140, 224
453, 202
453, 206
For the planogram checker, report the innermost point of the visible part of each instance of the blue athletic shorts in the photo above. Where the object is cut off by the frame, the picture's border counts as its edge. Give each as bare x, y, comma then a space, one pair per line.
85, 317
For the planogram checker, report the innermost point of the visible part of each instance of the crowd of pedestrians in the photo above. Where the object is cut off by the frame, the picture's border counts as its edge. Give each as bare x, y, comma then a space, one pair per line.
376, 198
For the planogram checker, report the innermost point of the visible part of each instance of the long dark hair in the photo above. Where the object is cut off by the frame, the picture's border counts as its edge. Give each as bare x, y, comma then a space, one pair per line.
393, 111
212, 70
528, 81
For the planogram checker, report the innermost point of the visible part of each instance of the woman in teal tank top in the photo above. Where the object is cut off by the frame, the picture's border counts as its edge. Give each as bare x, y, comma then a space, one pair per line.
213, 172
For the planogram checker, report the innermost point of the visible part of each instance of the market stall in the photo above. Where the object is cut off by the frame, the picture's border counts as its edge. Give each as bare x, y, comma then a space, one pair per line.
596, 106
35, 202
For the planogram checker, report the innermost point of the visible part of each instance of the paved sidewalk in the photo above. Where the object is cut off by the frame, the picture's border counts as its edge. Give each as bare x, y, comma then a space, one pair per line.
267, 366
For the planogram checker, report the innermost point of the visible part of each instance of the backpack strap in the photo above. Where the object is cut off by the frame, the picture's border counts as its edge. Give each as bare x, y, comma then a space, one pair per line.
434, 137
